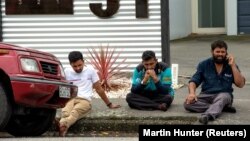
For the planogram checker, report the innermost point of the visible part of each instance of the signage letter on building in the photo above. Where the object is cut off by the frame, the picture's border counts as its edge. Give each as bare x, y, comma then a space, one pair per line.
112, 8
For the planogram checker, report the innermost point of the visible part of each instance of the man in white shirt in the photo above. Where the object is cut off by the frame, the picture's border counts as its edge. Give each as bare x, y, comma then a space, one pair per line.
86, 78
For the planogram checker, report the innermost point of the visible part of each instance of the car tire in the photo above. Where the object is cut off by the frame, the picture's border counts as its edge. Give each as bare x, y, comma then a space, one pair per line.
37, 122
5, 110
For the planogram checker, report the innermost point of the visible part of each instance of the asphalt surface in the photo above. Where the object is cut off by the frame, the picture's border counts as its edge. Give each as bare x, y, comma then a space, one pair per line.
188, 52
70, 139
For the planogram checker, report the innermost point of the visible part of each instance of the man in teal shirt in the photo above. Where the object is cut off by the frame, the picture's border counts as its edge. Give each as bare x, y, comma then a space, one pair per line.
151, 85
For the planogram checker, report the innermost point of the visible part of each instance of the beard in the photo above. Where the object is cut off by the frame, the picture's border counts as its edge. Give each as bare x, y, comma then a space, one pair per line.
219, 59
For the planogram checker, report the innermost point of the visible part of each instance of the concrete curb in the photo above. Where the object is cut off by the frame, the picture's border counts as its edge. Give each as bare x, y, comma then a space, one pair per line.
126, 124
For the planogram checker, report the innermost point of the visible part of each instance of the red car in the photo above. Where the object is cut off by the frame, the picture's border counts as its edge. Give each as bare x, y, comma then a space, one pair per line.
32, 87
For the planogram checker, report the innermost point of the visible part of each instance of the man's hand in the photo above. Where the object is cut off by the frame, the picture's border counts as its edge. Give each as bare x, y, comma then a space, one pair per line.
114, 106
191, 98
152, 74
231, 60
146, 77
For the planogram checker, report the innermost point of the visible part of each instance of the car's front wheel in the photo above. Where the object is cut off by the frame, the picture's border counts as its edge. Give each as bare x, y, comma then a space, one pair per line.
5, 108
35, 123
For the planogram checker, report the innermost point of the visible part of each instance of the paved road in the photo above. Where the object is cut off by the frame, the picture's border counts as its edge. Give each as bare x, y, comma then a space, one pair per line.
189, 52
70, 139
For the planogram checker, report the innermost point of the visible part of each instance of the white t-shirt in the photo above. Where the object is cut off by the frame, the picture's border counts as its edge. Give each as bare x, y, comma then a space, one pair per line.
83, 80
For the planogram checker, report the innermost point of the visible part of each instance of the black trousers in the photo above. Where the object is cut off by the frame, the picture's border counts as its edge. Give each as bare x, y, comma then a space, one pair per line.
147, 101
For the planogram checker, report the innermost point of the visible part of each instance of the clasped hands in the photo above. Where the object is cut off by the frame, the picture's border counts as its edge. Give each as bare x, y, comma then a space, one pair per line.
150, 73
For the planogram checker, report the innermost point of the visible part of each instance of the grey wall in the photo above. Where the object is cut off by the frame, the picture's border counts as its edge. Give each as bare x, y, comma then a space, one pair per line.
180, 18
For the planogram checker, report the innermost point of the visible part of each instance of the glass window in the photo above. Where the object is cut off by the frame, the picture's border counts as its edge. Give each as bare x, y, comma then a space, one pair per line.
211, 13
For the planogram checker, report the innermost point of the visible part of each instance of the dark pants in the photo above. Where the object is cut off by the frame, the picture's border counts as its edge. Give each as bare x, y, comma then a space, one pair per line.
148, 101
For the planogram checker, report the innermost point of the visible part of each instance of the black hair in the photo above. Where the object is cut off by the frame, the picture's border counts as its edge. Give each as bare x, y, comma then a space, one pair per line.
75, 56
147, 55
218, 44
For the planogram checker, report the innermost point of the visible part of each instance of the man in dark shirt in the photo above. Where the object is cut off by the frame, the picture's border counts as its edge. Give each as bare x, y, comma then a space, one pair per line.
151, 85
216, 76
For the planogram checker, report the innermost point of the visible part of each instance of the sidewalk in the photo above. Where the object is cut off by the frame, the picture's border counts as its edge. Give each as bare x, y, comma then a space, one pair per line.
126, 119
187, 53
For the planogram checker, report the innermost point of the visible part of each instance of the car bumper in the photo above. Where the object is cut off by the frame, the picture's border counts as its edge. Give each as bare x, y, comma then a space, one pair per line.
40, 93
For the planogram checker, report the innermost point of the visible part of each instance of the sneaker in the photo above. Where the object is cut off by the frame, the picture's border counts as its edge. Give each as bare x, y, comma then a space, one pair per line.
229, 109
163, 107
204, 119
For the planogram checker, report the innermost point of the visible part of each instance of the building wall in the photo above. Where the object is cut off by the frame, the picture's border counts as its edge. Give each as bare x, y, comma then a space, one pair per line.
180, 18
231, 17
60, 34
243, 16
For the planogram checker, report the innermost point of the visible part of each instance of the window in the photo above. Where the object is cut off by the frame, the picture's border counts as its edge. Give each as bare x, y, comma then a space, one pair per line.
211, 13
24, 7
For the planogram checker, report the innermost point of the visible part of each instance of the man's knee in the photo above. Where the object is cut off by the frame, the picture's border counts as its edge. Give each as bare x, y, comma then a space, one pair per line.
129, 97
225, 97
131, 106
188, 107
169, 99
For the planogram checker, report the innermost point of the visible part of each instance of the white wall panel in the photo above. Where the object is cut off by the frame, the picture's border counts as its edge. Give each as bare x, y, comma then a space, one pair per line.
60, 34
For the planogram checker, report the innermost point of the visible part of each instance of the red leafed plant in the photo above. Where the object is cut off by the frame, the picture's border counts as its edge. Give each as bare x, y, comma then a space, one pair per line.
104, 60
